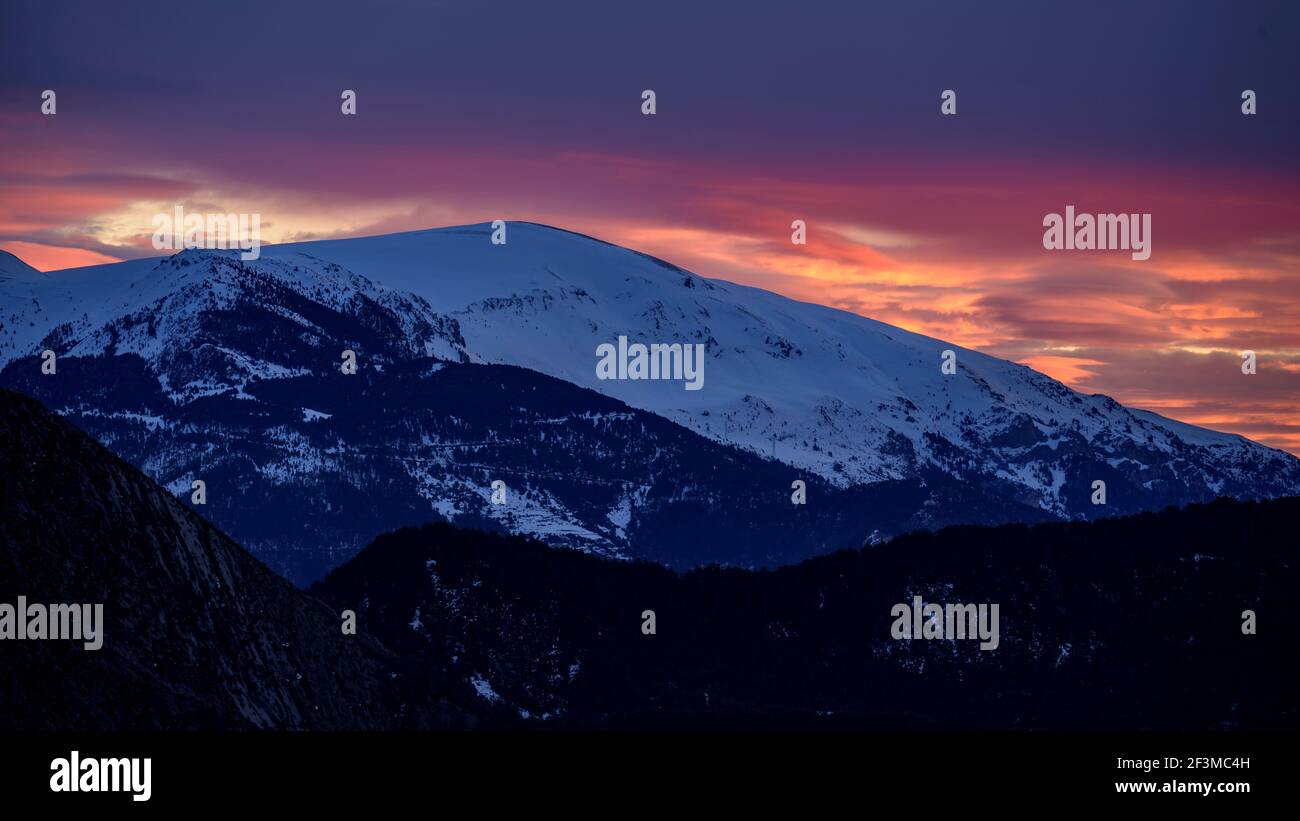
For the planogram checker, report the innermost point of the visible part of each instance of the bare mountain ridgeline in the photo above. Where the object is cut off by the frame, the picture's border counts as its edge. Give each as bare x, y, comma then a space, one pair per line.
1125, 623
333, 390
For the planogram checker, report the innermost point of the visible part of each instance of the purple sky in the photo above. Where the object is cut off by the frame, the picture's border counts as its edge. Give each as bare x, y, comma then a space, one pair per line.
827, 112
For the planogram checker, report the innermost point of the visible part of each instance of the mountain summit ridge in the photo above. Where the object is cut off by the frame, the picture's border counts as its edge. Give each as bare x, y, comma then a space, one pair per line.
840, 400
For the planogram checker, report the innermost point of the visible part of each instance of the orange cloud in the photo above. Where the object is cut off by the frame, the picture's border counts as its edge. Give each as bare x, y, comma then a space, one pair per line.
54, 258
1073, 371
952, 252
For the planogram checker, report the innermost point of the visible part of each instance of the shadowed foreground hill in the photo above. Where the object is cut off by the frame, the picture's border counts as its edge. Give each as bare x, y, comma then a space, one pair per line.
1132, 623
198, 633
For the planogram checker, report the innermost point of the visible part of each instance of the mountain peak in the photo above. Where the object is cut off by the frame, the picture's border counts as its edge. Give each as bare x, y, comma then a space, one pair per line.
225, 349
12, 266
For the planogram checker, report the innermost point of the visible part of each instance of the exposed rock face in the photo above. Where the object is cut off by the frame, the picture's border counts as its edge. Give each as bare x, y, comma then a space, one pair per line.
197, 633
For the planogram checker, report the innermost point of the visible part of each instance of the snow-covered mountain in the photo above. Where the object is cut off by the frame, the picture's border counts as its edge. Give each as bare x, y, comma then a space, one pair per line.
208, 346
846, 397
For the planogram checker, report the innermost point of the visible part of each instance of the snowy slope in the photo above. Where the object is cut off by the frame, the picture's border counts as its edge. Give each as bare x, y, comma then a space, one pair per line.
832, 394
849, 398
24, 294
228, 372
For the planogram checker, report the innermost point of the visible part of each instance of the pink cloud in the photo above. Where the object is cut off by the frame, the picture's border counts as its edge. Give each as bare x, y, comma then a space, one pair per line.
951, 248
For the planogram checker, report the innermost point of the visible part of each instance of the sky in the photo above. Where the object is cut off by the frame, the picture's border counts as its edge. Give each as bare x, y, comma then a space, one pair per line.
766, 113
